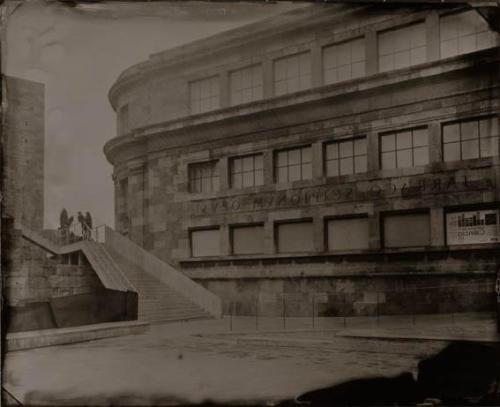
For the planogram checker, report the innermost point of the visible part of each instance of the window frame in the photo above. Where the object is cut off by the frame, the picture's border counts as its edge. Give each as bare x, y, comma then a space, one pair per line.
191, 167
350, 216
199, 229
232, 227
467, 120
417, 211
337, 44
342, 140
412, 148
276, 225
453, 13
234, 71
290, 56
396, 28
288, 149
231, 167
215, 77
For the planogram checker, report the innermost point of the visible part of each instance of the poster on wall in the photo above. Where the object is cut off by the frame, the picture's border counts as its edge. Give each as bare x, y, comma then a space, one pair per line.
472, 227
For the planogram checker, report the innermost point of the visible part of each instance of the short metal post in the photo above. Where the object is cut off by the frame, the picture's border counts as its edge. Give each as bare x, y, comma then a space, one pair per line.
378, 312
256, 314
344, 310
231, 316
414, 311
313, 310
284, 313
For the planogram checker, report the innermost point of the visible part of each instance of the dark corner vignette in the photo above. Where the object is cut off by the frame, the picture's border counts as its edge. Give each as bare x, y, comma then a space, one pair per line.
301, 208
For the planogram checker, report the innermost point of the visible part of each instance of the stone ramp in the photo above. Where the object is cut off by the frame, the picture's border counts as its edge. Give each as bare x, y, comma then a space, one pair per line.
157, 301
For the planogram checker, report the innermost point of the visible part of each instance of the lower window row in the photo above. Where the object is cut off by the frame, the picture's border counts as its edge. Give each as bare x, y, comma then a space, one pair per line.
398, 230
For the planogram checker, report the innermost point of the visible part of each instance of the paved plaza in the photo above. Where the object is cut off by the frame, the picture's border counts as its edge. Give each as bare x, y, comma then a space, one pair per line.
202, 360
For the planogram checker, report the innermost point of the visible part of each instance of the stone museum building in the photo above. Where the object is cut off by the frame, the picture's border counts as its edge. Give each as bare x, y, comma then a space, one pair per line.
338, 153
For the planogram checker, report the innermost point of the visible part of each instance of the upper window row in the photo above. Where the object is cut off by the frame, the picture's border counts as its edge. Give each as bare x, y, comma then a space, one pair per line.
467, 139
399, 47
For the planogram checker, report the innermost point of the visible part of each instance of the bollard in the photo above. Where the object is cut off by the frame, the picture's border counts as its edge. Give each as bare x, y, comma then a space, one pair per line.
344, 310
230, 316
256, 314
413, 308
313, 311
284, 313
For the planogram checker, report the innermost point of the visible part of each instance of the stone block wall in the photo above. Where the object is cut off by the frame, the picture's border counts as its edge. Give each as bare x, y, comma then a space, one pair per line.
360, 296
65, 280
24, 138
31, 276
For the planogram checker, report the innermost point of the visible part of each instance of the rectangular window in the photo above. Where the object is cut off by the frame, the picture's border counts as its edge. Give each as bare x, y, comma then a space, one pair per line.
246, 85
295, 237
292, 73
293, 164
401, 47
247, 171
205, 242
406, 148
345, 61
407, 230
345, 157
472, 138
472, 227
464, 32
347, 234
204, 95
248, 239
204, 177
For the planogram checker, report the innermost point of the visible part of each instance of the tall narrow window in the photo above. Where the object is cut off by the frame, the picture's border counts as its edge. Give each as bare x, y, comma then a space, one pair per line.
465, 32
402, 47
247, 171
293, 164
295, 237
246, 85
292, 73
204, 95
407, 148
205, 242
473, 138
345, 61
345, 157
204, 177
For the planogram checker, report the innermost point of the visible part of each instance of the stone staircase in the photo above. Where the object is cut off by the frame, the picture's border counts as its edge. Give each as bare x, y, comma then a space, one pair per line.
157, 301
164, 293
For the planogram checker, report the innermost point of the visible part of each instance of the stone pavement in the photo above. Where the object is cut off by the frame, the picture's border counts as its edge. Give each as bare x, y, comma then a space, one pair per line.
201, 360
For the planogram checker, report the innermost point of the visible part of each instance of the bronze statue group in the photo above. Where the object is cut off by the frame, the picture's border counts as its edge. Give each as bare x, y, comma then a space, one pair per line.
66, 222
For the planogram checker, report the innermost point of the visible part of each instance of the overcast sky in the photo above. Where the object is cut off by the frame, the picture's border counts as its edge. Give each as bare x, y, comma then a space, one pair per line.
78, 52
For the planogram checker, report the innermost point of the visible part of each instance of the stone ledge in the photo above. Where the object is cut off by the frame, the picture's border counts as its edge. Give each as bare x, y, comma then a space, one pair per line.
62, 336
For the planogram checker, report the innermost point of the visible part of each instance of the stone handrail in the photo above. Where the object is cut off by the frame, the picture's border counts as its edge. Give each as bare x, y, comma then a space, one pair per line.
163, 272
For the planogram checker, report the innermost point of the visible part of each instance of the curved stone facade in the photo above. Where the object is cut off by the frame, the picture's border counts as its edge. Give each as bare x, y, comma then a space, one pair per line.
328, 150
